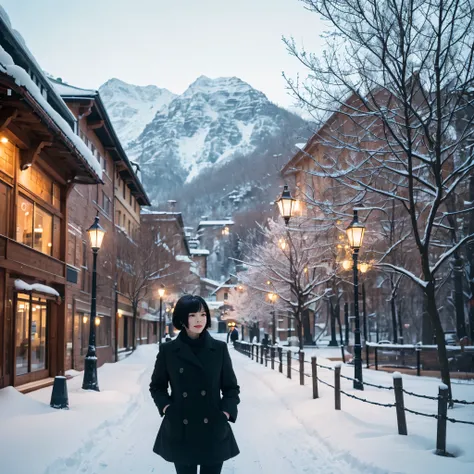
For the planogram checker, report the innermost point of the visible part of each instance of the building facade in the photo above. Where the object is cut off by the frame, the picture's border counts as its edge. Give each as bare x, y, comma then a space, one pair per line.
41, 160
117, 201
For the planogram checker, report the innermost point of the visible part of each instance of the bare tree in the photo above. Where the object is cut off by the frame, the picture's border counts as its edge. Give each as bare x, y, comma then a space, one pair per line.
390, 88
292, 262
141, 263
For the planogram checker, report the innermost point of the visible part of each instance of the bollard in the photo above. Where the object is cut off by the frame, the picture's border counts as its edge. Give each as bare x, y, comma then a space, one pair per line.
399, 403
314, 373
280, 359
59, 397
288, 364
301, 356
256, 356
262, 350
337, 387
442, 415
376, 359
272, 355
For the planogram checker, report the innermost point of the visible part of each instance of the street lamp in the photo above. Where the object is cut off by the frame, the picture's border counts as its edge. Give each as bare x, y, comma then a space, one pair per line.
287, 205
355, 233
96, 236
161, 293
272, 297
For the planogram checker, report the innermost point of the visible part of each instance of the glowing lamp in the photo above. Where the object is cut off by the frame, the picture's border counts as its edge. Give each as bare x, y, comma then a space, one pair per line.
96, 234
355, 233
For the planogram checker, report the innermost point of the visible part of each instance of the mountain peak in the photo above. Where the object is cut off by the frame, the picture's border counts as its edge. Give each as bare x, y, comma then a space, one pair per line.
207, 85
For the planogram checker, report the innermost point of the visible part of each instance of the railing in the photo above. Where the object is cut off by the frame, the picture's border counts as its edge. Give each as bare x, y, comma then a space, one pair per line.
418, 357
261, 353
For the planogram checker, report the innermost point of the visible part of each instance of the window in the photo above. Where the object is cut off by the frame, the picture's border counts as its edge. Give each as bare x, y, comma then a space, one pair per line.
118, 217
104, 164
226, 296
34, 226
124, 221
84, 278
7, 158
31, 322
124, 190
4, 208
106, 203
102, 332
129, 227
92, 148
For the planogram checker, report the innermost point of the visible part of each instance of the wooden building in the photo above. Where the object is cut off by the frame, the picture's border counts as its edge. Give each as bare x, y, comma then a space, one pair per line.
41, 160
117, 201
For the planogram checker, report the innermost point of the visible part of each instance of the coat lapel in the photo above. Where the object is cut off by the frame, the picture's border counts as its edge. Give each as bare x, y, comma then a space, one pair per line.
185, 353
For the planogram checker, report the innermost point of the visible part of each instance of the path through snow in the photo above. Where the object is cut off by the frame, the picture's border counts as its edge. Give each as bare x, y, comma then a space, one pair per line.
270, 437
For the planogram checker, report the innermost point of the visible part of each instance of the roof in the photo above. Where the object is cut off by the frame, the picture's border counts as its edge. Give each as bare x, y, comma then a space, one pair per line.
15, 61
109, 139
199, 252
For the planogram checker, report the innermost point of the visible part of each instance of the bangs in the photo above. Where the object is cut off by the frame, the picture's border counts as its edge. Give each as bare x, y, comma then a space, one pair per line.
189, 304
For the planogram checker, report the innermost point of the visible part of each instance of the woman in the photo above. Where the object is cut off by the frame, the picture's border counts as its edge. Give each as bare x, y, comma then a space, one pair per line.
195, 429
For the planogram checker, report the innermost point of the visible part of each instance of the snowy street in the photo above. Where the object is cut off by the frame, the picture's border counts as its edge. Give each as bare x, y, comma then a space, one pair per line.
280, 429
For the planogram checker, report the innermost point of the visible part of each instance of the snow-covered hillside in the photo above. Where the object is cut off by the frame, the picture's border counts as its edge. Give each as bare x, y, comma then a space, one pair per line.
131, 107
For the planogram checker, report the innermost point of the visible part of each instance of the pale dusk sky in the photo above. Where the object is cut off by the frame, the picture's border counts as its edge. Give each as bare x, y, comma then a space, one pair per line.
168, 43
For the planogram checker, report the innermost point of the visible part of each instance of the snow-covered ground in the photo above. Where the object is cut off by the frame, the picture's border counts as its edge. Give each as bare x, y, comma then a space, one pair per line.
280, 429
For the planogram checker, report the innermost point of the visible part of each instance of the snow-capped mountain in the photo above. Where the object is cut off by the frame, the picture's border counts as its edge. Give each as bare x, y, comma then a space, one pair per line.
213, 122
131, 107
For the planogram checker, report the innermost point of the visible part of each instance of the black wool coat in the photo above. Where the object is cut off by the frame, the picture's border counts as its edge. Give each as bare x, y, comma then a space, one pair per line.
194, 429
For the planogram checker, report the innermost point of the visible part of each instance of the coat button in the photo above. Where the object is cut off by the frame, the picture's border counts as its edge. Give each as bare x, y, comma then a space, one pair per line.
181, 370
185, 394
185, 421
206, 420
203, 393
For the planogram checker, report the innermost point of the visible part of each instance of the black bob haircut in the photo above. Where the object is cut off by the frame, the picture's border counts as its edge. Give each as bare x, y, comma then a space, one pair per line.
189, 304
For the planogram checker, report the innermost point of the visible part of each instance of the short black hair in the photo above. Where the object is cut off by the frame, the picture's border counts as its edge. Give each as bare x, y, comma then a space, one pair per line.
189, 304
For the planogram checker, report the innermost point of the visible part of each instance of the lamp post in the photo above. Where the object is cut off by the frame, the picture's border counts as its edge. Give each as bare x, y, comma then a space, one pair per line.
355, 233
287, 205
96, 236
161, 293
272, 297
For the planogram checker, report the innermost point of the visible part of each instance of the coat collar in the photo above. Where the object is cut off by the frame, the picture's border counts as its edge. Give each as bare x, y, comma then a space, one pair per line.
184, 351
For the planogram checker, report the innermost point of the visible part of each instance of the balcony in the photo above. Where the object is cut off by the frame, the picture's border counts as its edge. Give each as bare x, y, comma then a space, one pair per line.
25, 260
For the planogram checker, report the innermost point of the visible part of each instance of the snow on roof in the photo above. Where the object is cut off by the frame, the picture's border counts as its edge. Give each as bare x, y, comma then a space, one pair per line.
300, 145
21, 285
211, 282
183, 258
215, 304
22, 79
215, 223
199, 252
68, 90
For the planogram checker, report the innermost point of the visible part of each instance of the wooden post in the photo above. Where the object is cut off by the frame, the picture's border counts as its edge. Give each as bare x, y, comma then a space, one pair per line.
280, 359
376, 359
262, 350
337, 387
272, 355
400, 404
256, 352
301, 356
288, 364
442, 414
418, 361
314, 373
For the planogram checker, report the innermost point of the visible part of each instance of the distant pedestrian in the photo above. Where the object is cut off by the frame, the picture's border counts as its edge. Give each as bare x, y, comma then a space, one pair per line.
195, 429
234, 335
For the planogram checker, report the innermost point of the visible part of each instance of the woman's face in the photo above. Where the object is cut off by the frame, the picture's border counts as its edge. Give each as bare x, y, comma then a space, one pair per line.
197, 322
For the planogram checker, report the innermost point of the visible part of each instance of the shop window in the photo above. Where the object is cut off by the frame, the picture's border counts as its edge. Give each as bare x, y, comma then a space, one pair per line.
31, 329
43, 231
102, 332
4, 208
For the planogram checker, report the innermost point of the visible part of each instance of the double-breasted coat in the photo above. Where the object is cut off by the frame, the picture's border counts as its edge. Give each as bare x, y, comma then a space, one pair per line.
194, 429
